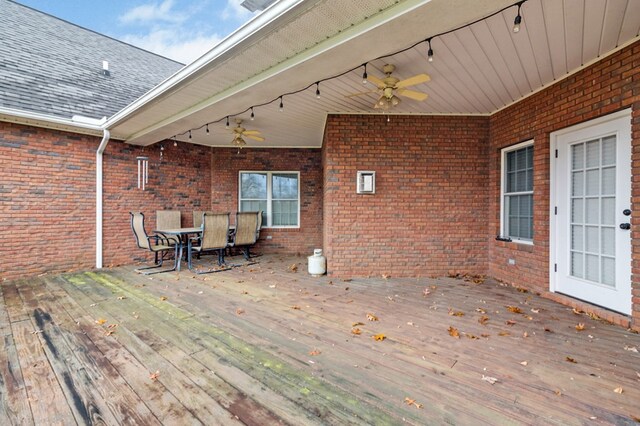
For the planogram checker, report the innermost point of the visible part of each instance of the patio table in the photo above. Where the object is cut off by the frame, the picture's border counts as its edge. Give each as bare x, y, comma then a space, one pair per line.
183, 235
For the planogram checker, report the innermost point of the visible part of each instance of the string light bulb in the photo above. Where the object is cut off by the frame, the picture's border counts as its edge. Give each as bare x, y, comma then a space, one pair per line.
430, 51
364, 74
189, 134
317, 89
175, 142
252, 114
518, 20
207, 128
227, 121
281, 104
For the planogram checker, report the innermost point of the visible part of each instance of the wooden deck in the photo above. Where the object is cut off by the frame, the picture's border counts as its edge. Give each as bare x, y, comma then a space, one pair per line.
264, 344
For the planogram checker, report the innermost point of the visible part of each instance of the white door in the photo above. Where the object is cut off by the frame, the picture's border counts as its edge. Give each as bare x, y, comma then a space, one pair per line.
591, 190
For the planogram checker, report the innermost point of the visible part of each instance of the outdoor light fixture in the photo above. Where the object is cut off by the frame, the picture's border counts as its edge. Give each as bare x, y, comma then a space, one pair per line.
281, 104
430, 51
143, 172
318, 89
364, 74
252, 114
518, 20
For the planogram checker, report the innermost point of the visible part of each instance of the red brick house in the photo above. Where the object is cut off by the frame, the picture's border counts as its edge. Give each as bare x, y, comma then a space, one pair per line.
521, 165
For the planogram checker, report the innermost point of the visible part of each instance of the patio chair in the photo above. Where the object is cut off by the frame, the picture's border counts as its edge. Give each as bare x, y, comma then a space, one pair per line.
246, 233
197, 218
168, 219
153, 244
215, 231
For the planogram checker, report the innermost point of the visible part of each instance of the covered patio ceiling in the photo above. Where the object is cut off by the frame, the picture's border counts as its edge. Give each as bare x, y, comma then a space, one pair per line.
477, 70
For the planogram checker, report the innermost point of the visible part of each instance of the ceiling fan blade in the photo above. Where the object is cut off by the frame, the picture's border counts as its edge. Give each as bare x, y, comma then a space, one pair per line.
416, 79
412, 94
254, 137
361, 93
375, 80
251, 132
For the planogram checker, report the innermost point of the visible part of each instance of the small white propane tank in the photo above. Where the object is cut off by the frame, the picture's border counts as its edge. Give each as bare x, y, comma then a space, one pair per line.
317, 263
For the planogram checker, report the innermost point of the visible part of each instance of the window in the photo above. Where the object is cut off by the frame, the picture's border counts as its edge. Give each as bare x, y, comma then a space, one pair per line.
277, 194
517, 192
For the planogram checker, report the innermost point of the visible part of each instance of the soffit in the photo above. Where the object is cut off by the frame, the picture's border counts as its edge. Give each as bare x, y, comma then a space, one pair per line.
477, 70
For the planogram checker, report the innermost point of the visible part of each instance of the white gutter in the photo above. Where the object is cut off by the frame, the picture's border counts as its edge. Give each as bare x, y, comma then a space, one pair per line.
99, 152
79, 124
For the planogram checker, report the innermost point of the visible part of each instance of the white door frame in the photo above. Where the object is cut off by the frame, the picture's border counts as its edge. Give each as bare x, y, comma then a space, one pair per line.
553, 225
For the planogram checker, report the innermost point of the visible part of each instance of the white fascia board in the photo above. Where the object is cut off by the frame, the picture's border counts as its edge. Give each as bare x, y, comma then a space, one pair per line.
17, 116
259, 23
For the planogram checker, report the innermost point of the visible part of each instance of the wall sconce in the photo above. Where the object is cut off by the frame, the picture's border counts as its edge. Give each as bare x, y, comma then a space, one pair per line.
366, 182
143, 172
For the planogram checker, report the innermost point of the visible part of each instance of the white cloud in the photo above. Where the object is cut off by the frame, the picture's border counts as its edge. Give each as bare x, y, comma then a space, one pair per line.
233, 11
152, 13
184, 47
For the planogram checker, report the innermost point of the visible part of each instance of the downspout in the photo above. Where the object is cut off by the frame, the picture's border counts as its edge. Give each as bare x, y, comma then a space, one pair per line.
99, 152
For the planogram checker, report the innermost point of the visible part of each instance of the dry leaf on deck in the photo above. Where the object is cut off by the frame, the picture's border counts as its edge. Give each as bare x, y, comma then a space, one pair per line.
163, 298
635, 418
355, 324
293, 268
453, 332
557, 392
109, 332
239, 311
593, 316
245, 292
504, 333
618, 390
386, 276
482, 311
631, 349
410, 401
580, 326
112, 325
548, 330
372, 317
485, 335
491, 380
525, 334
471, 336
426, 292
535, 311
379, 337
522, 290
121, 297
100, 321
296, 307
272, 286
154, 376
315, 352
514, 309
455, 313
356, 331
524, 363
510, 322
483, 320
577, 311
571, 360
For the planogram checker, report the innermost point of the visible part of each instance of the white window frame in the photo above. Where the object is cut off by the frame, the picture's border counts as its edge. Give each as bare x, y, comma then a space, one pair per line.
503, 172
269, 211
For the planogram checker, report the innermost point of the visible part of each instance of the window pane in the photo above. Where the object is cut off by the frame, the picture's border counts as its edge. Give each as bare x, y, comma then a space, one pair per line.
285, 213
254, 206
285, 186
577, 157
253, 185
518, 178
593, 153
609, 151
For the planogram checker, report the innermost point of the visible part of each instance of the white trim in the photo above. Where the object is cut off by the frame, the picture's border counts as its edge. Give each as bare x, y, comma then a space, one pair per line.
79, 125
99, 154
503, 154
269, 212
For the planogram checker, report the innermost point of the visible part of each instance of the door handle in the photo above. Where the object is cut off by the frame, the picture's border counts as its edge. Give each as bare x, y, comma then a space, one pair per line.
625, 226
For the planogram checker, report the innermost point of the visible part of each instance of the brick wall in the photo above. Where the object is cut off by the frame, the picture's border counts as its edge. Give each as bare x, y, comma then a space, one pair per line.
607, 86
47, 197
428, 215
226, 165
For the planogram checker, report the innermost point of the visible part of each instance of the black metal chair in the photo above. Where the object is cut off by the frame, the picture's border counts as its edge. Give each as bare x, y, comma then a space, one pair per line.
154, 243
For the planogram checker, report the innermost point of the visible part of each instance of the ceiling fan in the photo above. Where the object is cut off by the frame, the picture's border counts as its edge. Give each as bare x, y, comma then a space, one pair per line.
239, 132
391, 87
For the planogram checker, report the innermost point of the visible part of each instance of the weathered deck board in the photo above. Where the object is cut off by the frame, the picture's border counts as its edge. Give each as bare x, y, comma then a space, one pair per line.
14, 406
219, 365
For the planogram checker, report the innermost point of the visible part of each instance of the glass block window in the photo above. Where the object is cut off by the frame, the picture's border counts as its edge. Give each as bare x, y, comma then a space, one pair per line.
276, 194
517, 192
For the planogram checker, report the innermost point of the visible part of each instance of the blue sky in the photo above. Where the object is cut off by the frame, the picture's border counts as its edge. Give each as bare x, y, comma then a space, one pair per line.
178, 29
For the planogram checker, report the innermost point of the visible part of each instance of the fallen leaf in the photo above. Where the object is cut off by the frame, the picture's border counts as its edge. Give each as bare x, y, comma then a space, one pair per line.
296, 307
491, 380
379, 337
618, 390
163, 298
535, 311
245, 292
347, 280
355, 324
112, 325
272, 286
410, 401
109, 332
411, 324
483, 320
557, 392
514, 309
548, 330
571, 360
455, 313
635, 418
593, 316
504, 333
293, 268
482, 311
580, 326
356, 331
386, 276
154, 376
372, 317
524, 363
315, 352
37, 332
631, 349
525, 334
121, 297
510, 322
426, 292
100, 321
471, 336
239, 311
485, 335
577, 311
522, 290
453, 332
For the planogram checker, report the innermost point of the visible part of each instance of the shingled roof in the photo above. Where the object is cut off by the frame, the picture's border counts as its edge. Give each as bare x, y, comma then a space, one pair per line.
53, 67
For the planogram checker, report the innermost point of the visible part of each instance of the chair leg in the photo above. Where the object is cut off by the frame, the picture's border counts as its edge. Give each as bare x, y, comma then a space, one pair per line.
159, 265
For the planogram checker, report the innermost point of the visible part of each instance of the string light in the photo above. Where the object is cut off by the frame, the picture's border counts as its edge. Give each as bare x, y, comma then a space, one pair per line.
516, 28
518, 20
